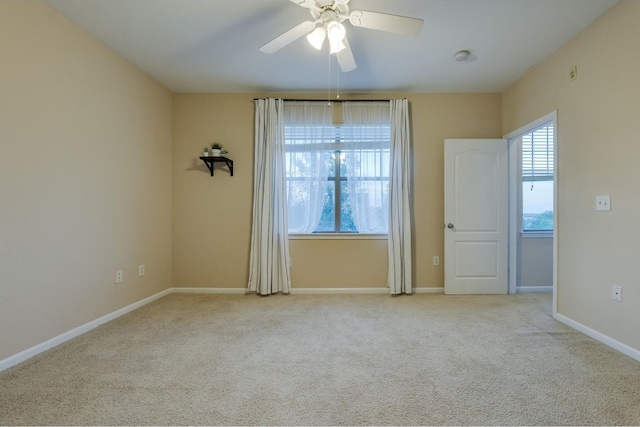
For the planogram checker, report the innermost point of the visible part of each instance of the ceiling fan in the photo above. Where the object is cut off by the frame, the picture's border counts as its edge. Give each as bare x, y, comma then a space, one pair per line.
328, 16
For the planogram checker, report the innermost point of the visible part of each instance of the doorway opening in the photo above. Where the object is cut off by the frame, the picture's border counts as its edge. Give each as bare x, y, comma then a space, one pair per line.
533, 214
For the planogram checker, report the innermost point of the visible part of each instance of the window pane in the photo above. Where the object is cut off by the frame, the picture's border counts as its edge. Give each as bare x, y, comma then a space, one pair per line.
308, 164
537, 206
298, 201
327, 220
367, 163
347, 225
372, 204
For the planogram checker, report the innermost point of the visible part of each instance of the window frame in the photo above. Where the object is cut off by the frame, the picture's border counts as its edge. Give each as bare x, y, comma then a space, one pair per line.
534, 175
337, 147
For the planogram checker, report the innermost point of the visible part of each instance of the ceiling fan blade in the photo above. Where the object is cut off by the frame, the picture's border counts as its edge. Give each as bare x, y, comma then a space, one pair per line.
345, 58
386, 22
288, 37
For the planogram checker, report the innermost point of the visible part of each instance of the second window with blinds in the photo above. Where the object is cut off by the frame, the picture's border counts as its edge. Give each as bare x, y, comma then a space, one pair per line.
537, 179
337, 173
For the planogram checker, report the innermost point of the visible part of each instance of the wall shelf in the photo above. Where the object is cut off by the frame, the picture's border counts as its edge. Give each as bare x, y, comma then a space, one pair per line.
210, 161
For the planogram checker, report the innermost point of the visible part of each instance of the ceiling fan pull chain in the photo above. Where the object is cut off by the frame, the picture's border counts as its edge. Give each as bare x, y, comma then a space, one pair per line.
338, 82
329, 78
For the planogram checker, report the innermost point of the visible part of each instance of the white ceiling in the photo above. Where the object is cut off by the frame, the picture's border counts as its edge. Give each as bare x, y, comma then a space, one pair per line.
212, 45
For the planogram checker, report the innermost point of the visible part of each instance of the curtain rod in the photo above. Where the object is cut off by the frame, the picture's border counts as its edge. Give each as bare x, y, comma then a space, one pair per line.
330, 100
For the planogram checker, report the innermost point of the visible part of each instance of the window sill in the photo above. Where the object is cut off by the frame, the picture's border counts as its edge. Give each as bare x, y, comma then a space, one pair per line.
536, 234
336, 236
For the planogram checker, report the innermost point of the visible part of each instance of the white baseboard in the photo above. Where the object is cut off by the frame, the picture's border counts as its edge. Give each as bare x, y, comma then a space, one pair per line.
604, 339
208, 290
305, 291
439, 290
525, 289
352, 291
294, 291
66, 336
330, 291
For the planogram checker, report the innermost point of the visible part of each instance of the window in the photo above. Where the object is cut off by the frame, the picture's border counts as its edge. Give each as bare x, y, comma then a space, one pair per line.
537, 179
337, 176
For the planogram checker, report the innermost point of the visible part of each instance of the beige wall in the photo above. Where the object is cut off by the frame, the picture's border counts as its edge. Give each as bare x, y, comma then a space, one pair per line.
598, 152
85, 178
212, 216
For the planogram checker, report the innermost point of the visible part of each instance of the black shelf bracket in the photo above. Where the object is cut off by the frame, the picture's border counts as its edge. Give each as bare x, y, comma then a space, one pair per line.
210, 161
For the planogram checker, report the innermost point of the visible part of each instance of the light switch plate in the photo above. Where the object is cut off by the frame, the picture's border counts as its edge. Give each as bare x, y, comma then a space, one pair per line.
603, 203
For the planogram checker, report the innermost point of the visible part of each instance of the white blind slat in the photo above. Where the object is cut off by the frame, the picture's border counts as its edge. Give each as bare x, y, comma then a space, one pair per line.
537, 154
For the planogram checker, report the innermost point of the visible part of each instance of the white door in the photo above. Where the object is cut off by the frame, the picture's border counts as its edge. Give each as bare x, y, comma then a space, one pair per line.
476, 216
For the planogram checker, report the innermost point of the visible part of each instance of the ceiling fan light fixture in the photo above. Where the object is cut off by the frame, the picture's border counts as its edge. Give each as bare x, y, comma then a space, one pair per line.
326, 21
335, 31
336, 46
335, 34
316, 37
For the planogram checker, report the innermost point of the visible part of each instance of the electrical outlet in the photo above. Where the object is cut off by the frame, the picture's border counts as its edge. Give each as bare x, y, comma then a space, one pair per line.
436, 260
616, 293
141, 270
119, 276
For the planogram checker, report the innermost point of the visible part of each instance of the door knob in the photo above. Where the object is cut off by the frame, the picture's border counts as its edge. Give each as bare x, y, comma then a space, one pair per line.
450, 226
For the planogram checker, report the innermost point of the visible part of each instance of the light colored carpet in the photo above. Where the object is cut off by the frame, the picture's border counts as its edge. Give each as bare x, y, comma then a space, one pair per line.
329, 360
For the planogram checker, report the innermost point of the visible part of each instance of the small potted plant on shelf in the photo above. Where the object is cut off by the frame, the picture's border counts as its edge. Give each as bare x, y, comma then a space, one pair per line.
206, 152
216, 149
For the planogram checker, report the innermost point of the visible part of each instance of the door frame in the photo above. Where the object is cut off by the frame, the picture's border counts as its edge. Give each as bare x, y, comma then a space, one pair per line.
515, 185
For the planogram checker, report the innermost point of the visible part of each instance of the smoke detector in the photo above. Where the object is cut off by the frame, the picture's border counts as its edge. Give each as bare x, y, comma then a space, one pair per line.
462, 55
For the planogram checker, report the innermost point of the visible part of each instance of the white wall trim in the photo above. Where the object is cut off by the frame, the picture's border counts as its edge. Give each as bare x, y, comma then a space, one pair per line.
598, 336
525, 289
75, 332
552, 116
330, 291
209, 290
514, 223
434, 290
515, 183
385, 290
294, 291
307, 291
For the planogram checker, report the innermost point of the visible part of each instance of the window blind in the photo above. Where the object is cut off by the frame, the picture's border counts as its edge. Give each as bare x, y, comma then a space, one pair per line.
537, 154
299, 138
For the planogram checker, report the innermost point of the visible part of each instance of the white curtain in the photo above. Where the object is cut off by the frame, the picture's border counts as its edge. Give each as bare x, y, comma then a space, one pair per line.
308, 132
400, 268
269, 259
365, 136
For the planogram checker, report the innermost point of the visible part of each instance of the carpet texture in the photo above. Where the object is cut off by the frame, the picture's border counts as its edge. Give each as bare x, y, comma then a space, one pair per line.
328, 360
